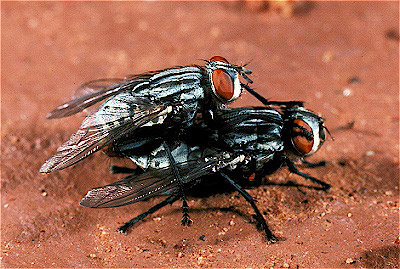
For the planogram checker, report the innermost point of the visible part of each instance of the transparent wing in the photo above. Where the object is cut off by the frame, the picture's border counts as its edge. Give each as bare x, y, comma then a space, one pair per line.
117, 116
132, 189
95, 86
95, 91
178, 79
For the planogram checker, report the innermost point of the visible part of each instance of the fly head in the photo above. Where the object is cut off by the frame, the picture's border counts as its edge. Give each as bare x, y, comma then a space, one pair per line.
304, 131
224, 80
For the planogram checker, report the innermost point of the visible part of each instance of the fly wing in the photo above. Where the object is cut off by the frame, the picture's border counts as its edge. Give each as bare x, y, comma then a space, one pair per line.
117, 116
177, 80
132, 189
95, 86
95, 91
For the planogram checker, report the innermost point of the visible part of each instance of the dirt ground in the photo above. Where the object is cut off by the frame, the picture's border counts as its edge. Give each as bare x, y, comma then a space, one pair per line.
341, 58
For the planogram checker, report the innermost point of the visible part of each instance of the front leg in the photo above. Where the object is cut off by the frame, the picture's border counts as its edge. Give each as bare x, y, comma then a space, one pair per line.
292, 168
314, 165
267, 102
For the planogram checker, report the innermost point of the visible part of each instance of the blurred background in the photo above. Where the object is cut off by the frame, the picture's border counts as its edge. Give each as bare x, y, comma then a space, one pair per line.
342, 58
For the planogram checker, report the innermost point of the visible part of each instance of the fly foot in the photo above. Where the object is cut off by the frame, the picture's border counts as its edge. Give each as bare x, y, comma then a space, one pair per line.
123, 229
186, 221
271, 238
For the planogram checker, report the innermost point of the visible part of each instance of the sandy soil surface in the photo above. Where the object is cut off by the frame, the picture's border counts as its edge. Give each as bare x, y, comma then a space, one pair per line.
341, 58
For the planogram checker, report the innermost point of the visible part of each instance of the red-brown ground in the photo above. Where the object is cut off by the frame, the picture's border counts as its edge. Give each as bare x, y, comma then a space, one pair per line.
48, 48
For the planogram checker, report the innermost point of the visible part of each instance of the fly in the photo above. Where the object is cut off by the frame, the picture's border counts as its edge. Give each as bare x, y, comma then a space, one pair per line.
244, 142
170, 98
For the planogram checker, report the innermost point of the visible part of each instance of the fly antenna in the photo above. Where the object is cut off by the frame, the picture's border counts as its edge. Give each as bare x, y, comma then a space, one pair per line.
248, 62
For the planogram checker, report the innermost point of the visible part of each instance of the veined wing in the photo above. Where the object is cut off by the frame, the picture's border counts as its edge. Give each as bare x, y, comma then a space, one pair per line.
95, 91
119, 115
132, 189
160, 84
95, 86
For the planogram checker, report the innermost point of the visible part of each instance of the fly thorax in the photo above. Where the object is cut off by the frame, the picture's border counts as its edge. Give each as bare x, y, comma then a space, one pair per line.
181, 83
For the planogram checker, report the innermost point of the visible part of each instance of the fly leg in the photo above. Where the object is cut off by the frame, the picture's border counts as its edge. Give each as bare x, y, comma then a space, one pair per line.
185, 207
114, 169
286, 103
261, 98
124, 228
266, 102
314, 165
260, 218
292, 168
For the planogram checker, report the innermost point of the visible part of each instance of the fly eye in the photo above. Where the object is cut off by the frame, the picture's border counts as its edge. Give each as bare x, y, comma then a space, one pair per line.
223, 84
219, 59
302, 136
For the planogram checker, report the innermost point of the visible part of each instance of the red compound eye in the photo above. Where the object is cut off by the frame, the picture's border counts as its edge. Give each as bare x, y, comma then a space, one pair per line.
223, 84
219, 59
252, 177
301, 143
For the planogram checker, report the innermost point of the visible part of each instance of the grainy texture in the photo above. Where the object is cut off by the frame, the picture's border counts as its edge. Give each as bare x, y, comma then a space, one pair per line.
341, 58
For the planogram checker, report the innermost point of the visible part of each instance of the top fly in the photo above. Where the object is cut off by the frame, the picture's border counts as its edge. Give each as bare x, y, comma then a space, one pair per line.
170, 98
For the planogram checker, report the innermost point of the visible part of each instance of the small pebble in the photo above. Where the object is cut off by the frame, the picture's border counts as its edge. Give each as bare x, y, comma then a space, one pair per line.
200, 260
327, 57
326, 224
370, 153
349, 215
347, 92
163, 242
388, 193
350, 261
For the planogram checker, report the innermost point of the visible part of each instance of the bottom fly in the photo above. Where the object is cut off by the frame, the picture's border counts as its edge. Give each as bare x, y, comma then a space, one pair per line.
245, 142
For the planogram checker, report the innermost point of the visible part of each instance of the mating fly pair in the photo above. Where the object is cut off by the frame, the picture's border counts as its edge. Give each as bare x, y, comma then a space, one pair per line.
173, 124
